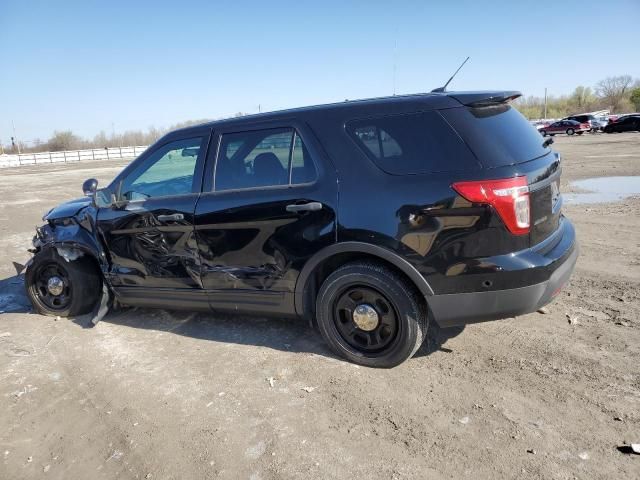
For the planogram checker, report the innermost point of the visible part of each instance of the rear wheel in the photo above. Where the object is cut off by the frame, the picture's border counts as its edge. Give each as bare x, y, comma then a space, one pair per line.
570, 131
60, 288
543, 133
370, 315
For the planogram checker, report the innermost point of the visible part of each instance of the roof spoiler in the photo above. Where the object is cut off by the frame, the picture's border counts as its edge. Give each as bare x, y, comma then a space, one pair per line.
484, 99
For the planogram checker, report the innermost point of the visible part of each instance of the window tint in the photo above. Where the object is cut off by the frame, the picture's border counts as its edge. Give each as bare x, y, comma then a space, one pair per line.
498, 135
167, 171
412, 143
303, 169
262, 158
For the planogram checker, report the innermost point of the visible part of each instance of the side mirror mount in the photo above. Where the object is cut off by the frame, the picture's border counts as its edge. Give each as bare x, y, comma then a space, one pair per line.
104, 198
89, 187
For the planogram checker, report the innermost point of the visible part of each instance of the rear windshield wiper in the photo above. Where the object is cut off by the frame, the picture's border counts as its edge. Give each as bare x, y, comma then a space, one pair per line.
547, 142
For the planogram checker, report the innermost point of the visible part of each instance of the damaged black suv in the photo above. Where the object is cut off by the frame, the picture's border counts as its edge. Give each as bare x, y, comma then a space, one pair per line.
367, 218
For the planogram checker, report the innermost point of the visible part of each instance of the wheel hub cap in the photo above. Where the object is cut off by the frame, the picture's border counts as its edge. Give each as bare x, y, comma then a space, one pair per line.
55, 285
366, 317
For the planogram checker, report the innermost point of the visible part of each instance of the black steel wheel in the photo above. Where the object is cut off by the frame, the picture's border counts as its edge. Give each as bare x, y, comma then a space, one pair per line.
371, 315
366, 319
60, 288
52, 286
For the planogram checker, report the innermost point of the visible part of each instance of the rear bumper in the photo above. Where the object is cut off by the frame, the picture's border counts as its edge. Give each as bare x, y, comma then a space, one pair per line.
461, 308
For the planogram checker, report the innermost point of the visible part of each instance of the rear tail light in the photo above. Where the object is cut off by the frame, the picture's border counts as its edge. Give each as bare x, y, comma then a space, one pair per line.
509, 197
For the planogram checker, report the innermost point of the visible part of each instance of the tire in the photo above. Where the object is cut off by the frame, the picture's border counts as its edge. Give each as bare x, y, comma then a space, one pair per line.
570, 131
543, 133
81, 285
552, 134
579, 133
401, 318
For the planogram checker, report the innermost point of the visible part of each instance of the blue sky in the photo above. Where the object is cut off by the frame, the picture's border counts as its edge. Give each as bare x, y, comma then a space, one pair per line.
85, 65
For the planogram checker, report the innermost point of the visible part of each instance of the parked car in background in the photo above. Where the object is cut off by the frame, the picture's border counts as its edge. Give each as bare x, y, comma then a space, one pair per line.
570, 127
540, 124
627, 123
367, 218
596, 124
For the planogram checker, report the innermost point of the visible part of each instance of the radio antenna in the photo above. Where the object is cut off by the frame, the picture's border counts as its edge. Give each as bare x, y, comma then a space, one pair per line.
444, 88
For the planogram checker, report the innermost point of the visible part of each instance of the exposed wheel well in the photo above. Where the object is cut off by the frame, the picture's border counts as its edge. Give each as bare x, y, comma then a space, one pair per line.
328, 265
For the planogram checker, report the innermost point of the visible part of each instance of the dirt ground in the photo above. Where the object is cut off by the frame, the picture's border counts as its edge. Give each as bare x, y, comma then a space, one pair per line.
176, 395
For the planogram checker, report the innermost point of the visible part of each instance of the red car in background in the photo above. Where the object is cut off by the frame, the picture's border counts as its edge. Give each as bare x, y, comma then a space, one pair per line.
569, 127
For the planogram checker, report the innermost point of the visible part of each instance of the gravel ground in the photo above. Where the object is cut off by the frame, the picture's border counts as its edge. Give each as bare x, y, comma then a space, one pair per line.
163, 395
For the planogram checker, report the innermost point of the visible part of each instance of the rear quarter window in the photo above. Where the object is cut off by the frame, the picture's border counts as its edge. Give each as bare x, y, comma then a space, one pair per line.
498, 135
413, 143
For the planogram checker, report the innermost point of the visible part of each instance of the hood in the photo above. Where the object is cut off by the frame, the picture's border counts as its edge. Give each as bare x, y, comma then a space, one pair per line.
67, 209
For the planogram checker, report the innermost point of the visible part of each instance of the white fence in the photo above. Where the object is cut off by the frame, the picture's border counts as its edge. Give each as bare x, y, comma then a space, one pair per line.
116, 153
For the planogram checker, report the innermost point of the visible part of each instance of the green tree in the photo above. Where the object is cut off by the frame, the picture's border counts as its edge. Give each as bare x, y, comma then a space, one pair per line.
581, 99
635, 98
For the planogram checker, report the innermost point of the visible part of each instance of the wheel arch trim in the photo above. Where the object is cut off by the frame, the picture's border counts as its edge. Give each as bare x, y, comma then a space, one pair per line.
357, 247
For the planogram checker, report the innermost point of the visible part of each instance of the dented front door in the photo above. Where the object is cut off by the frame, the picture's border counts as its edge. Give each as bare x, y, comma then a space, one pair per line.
149, 231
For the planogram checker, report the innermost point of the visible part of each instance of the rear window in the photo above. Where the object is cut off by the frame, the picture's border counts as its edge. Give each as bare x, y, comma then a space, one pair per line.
412, 144
498, 135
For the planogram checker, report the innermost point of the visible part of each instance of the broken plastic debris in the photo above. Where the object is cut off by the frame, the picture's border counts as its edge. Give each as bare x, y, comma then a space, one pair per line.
308, 389
573, 320
271, 381
635, 447
531, 451
543, 310
584, 455
464, 420
69, 254
5, 334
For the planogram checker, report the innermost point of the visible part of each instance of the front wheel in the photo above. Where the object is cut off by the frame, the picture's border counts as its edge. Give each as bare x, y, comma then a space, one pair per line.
570, 131
370, 315
60, 288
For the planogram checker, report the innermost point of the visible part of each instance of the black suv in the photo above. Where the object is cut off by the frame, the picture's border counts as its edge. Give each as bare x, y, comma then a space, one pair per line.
367, 218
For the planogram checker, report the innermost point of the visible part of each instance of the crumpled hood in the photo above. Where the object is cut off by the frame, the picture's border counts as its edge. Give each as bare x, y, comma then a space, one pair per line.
67, 209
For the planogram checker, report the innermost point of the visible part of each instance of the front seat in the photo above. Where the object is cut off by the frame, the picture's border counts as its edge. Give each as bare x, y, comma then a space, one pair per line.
269, 171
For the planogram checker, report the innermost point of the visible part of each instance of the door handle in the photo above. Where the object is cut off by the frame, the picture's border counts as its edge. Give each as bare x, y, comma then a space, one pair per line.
175, 217
304, 207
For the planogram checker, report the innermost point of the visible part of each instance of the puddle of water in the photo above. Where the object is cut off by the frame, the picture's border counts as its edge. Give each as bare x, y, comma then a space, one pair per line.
603, 190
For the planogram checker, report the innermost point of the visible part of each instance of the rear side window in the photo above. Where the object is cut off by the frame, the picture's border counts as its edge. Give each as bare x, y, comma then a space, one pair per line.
262, 158
412, 144
498, 135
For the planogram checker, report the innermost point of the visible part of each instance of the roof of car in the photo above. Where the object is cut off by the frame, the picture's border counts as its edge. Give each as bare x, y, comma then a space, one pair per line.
436, 99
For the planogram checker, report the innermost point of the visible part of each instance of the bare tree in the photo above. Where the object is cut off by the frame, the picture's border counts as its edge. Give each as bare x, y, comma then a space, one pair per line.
612, 90
64, 140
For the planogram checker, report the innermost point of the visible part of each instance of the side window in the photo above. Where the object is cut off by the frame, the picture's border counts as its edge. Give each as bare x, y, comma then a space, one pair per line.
167, 171
303, 169
378, 141
262, 158
412, 143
